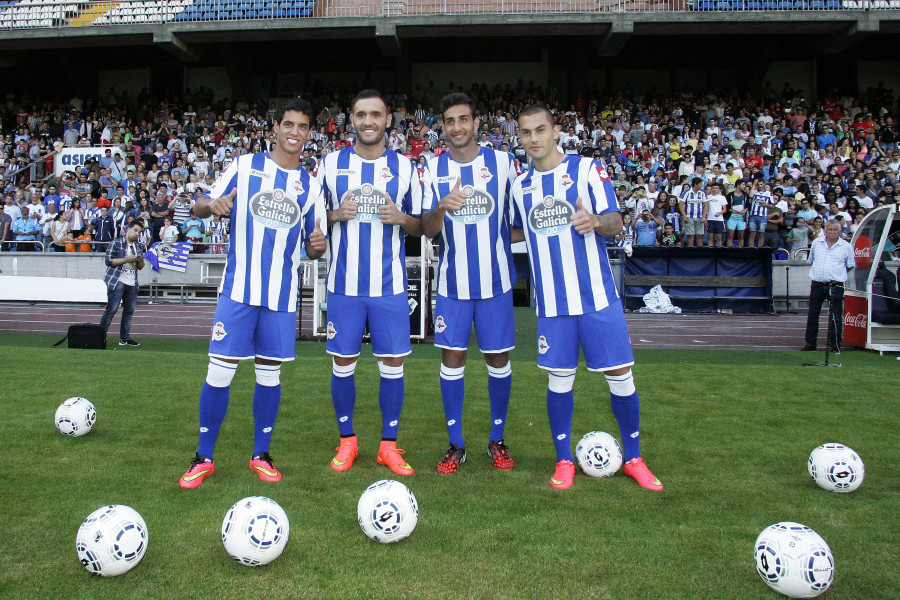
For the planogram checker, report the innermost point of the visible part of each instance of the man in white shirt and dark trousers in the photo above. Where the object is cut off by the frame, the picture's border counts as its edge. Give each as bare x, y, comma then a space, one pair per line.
831, 258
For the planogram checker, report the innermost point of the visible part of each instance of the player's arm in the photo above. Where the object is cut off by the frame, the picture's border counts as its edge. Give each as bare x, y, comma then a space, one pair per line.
516, 234
433, 221
607, 224
220, 198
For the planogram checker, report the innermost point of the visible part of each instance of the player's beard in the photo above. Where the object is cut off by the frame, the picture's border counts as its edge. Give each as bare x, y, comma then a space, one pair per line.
375, 141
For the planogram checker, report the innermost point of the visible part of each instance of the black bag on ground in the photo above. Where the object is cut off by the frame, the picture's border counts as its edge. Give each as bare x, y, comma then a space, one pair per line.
88, 336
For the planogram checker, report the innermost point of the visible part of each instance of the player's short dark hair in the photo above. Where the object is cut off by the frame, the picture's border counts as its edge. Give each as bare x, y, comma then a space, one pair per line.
370, 93
456, 99
534, 109
297, 105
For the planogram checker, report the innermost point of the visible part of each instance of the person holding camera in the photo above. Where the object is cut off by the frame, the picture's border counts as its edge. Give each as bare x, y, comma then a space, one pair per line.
124, 258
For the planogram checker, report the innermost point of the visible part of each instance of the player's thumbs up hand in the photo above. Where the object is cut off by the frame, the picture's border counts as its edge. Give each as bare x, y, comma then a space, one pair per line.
455, 199
316, 241
222, 205
582, 220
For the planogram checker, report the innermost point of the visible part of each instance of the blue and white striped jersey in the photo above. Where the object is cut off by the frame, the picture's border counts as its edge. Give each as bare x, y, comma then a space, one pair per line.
570, 272
274, 213
474, 245
693, 203
756, 208
365, 257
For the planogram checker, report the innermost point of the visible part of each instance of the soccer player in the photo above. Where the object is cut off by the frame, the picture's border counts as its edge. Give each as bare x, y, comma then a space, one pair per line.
567, 206
275, 207
374, 199
466, 200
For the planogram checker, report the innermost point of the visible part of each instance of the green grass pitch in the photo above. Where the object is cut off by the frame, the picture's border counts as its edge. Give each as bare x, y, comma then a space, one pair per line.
728, 433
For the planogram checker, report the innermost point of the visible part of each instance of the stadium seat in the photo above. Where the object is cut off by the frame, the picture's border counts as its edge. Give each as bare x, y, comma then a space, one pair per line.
723, 5
817, 5
833, 5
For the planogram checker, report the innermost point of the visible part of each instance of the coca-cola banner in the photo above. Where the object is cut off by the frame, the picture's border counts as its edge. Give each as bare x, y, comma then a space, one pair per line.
856, 319
862, 252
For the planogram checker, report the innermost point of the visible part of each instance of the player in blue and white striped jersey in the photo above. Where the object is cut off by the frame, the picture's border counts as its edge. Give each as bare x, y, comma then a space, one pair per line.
374, 200
275, 207
565, 207
694, 207
466, 201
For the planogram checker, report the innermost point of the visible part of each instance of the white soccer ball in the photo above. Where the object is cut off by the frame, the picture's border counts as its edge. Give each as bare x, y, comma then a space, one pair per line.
387, 511
112, 540
599, 454
75, 417
255, 531
794, 560
836, 468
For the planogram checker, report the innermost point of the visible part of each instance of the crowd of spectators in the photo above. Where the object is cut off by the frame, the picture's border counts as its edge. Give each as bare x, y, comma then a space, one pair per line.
766, 169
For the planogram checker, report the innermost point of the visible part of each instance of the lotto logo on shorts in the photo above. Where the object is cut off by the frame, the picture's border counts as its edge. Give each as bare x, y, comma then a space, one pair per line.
330, 331
218, 331
543, 346
439, 324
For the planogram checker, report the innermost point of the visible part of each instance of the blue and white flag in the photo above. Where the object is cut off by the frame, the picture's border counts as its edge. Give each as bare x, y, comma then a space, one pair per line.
169, 255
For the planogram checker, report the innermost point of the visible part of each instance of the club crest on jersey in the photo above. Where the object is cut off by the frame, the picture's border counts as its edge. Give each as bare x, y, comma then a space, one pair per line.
386, 174
330, 331
479, 206
218, 331
550, 216
297, 188
439, 324
543, 346
565, 182
368, 199
484, 174
274, 209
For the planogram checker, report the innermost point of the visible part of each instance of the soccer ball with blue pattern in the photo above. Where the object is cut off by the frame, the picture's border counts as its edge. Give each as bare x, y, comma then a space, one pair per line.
599, 454
794, 560
387, 511
255, 531
836, 468
112, 540
75, 417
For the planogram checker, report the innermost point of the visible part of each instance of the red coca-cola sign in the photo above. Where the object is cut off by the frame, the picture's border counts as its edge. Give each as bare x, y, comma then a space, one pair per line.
862, 252
857, 320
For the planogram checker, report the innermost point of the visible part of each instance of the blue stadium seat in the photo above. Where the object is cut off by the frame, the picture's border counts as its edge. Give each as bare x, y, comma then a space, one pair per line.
834, 5
723, 5
786, 5
754, 5
817, 5
306, 12
704, 5
738, 5
770, 5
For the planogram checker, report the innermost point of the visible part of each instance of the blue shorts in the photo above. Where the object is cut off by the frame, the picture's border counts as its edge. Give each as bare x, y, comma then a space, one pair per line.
602, 335
495, 327
715, 227
388, 318
241, 332
737, 222
758, 223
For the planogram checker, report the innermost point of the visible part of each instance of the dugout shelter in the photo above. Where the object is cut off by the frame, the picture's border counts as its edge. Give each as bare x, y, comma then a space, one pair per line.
871, 299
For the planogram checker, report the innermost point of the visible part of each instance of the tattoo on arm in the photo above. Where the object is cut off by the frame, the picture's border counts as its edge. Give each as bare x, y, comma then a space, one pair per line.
609, 224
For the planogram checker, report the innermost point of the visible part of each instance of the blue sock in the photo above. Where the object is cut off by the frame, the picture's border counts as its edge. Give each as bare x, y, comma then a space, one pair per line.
560, 407
265, 409
390, 397
453, 392
499, 388
627, 409
213, 406
343, 395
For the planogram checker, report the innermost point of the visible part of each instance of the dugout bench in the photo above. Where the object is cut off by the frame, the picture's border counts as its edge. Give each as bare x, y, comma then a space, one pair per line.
702, 279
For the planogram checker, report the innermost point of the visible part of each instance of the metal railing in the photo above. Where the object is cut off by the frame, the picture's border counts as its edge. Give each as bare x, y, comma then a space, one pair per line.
43, 14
